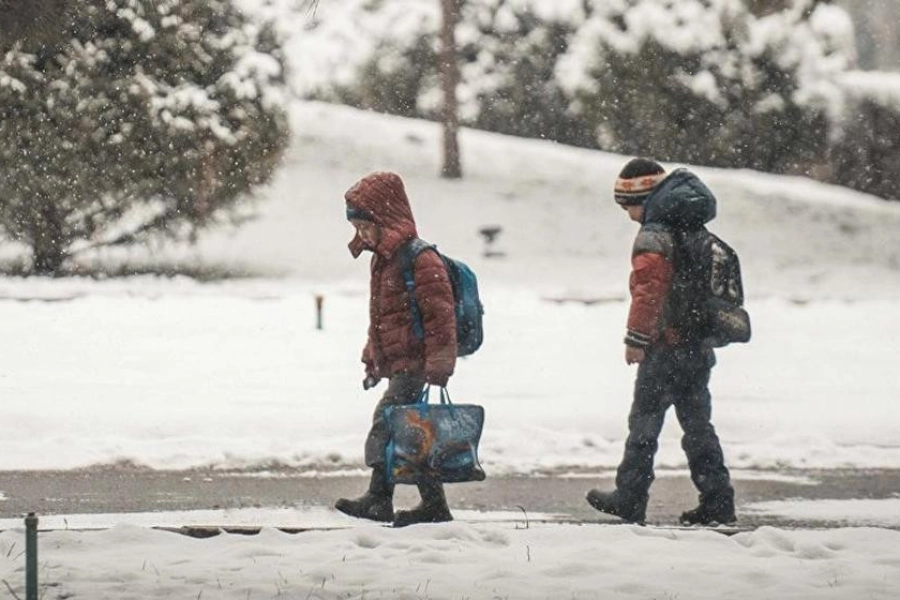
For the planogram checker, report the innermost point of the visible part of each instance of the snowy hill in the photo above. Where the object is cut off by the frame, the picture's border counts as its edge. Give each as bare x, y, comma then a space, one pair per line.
562, 233
235, 373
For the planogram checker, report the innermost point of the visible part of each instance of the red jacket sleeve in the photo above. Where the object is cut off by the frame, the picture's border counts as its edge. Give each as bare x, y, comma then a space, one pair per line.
435, 299
369, 360
651, 279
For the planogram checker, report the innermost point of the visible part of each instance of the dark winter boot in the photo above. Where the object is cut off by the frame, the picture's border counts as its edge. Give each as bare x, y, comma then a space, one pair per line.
613, 503
432, 509
703, 515
377, 504
711, 513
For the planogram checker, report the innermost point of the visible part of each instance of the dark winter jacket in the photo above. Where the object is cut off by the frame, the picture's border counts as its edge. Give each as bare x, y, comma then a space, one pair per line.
681, 202
392, 346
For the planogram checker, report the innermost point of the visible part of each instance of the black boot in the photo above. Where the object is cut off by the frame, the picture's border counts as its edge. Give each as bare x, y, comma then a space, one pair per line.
377, 504
712, 513
613, 503
432, 509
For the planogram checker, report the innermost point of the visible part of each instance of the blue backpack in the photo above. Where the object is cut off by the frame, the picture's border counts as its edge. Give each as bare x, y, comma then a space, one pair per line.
467, 304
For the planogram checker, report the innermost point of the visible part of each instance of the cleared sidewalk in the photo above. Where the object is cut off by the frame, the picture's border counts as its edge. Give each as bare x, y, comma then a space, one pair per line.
124, 489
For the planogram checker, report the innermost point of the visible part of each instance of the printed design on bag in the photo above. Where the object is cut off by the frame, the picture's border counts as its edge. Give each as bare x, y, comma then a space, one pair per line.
417, 443
438, 443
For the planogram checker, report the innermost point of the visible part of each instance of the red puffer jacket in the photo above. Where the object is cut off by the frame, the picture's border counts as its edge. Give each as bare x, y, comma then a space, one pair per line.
650, 282
680, 202
392, 346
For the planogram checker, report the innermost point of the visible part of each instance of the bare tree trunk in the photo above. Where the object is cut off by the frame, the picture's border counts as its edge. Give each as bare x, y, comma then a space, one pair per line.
449, 69
47, 244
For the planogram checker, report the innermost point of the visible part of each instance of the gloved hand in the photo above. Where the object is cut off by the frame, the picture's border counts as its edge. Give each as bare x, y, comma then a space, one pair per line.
369, 382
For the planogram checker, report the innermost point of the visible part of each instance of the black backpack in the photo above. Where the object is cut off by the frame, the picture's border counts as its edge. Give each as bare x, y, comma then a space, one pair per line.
466, 301
708, 293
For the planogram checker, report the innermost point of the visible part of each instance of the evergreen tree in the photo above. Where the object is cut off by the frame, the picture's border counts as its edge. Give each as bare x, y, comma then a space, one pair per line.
33, 22
717, 82
865, 153
511, 71
157, 118
707, 82
508, 53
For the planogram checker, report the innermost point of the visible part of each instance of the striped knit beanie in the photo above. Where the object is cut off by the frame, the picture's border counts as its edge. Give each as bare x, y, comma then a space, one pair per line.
636, 180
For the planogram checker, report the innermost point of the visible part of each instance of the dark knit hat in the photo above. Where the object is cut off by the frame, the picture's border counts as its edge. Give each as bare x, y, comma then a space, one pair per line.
354, 212
636, 180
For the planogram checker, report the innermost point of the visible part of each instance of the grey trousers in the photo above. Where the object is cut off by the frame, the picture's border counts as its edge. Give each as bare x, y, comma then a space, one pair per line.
676, 377
403, 388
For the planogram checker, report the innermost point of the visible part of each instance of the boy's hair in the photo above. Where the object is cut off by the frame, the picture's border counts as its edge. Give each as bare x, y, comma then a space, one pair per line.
636, 181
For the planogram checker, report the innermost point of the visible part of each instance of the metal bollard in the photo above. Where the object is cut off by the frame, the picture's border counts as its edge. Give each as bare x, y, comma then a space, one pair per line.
31, 557
320, 300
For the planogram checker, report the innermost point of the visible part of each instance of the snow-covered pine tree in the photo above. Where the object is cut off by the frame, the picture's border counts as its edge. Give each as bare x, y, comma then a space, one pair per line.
707, 82
387, 60
513, 49
33, 21
716, 82
865, 150
384, 56
791, 93
157, 118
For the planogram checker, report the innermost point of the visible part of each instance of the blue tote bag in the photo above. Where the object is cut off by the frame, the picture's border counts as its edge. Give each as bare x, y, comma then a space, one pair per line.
436, 442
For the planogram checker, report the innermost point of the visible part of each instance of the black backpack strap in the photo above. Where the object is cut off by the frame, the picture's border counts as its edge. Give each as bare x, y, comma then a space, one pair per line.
408, 253
681, 238
685, 292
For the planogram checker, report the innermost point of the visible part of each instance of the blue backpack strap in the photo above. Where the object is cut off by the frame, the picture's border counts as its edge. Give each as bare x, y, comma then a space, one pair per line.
408, 253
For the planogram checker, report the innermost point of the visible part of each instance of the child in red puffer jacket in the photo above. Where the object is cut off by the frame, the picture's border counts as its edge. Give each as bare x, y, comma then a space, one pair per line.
379, 210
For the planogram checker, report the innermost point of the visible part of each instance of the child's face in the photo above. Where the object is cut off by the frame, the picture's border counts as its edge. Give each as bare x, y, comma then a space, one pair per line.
368, 232
635, 212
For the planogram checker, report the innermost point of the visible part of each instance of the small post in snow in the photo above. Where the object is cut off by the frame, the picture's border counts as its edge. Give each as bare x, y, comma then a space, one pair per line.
320, 300
490, 233
31, 553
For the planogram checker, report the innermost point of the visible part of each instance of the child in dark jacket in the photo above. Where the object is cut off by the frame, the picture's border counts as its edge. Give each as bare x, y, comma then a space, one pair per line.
379, 210
674, 363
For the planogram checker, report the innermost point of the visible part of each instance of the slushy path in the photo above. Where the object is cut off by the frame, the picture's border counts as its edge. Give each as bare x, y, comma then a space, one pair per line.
127, 489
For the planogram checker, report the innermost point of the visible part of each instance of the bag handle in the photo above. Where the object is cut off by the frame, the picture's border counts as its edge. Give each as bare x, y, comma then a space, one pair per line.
444, 395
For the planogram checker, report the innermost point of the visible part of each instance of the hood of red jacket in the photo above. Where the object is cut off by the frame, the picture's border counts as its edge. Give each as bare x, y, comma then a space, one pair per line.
383, 196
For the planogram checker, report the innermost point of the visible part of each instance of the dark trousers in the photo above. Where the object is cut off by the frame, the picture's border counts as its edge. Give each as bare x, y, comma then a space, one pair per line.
403, 388
679, 377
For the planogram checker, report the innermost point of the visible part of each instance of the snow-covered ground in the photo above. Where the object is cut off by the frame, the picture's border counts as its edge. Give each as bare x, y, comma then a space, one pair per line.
175, 373
465, 560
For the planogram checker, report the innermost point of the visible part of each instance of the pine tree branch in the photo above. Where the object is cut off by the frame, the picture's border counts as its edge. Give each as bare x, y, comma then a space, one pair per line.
311, 6
33, 21
129, 237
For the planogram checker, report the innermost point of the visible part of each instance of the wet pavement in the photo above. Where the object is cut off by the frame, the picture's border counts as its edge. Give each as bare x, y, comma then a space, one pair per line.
125, 489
